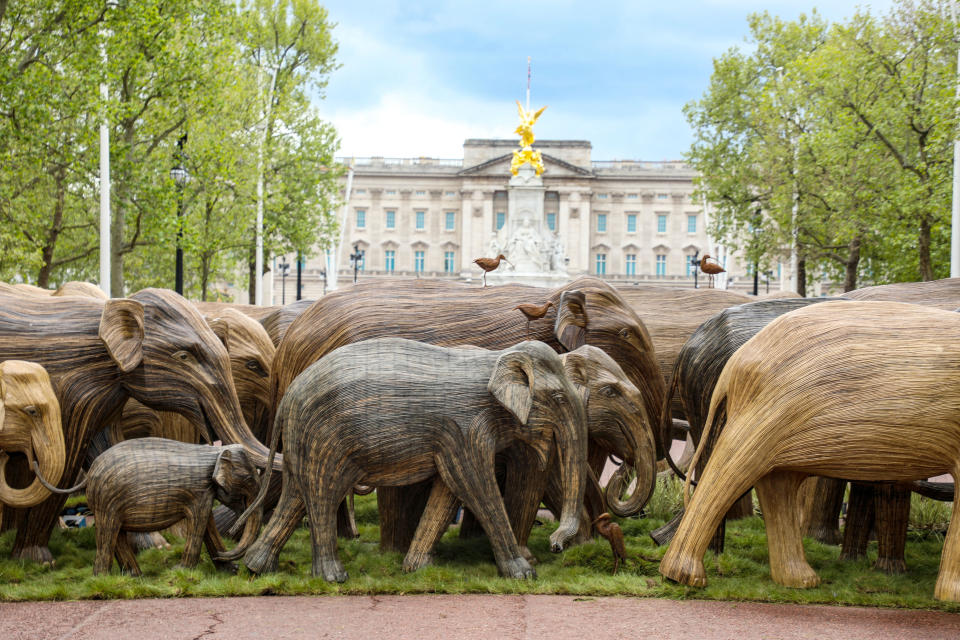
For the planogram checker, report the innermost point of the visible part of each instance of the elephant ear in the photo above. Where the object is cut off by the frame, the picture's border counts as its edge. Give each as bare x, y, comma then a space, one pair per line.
121, 330
570, 328
224, 470
221, 327
511, 383
577, 368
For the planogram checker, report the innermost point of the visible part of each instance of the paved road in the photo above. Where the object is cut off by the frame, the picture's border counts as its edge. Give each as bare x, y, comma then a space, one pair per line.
470, 617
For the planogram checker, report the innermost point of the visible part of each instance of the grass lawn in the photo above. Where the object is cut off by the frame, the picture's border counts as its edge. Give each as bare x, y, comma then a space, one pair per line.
466, 566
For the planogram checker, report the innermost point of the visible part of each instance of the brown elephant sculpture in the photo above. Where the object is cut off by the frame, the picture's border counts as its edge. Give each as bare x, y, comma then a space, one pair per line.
29, 426
868, 391
153, 346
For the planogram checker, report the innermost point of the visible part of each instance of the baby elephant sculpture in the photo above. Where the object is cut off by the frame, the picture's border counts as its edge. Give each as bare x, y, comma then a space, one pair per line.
148, 484
863, 390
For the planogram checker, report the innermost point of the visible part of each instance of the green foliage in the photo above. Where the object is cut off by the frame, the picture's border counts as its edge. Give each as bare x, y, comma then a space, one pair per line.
466, 566
166, 72
851, 125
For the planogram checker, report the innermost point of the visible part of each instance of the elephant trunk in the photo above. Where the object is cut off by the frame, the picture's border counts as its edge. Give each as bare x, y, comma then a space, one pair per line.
250, 531
48, 456
572, 450
642, 459
227, 421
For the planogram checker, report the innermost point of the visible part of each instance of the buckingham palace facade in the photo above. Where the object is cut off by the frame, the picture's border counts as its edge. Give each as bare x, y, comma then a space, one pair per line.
424, 217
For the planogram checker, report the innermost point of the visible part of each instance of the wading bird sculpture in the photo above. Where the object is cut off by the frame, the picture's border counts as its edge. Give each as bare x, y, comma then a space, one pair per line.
710, 268
533, 312
614, 535
489, 264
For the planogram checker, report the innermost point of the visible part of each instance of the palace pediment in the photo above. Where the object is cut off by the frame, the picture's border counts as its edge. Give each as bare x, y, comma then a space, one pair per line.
500, 167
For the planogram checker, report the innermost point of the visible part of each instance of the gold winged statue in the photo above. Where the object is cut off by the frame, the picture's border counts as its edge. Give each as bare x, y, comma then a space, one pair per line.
525, 131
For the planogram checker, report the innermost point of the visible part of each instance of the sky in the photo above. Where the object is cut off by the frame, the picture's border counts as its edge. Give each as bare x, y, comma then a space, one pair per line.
418, 78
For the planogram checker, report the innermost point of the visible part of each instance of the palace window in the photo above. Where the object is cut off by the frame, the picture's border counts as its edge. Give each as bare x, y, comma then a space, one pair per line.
359, 192
661, 264
391, 220
450, 221
692, 224
450, 193
501, 219
631, 264
631, 196
418, 261
552, 221
601, 222
421, 220
391, 192
662, 223
691, 265
361, 219
448, 261
601, 264
631, 223
421, 193
389, 260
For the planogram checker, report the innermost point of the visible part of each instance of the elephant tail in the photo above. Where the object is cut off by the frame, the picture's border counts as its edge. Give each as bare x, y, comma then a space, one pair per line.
666, 421
264, 480
714, 423
52, 489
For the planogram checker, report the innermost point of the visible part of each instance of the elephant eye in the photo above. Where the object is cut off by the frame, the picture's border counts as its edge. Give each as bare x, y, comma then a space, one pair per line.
624, 333
183, 356
610, 391
560, 396
254, 366
32, 411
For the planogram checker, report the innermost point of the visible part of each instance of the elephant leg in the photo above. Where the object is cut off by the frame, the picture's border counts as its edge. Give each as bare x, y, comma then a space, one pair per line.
322, 494
400, 510
524, 486
197, 516
859, 521
440, 509
470, 476
346, 522
823, 514
107, 532
948, 580
778, 493
126, 555
892, 506
264, 554
214, 544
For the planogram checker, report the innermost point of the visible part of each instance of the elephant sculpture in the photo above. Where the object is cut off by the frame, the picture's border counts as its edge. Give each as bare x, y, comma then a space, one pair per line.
942, 294
72, 288
868, 391
153, 346
149, 484
615, 417
29, 426
213, 309
695, 372
390, 412
586, 311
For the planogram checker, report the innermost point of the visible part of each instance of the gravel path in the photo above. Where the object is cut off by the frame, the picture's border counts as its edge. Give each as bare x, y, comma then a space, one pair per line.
453, 617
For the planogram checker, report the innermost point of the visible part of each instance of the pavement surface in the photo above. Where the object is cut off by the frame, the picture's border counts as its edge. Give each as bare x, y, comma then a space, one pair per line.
470, 616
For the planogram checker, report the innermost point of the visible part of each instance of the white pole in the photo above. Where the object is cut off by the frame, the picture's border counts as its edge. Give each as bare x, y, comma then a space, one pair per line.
104, 179
794, 229
955, 218
333, 257
258, 266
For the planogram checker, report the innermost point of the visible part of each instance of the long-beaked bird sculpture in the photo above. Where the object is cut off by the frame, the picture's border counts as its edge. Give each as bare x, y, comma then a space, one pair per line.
490, 264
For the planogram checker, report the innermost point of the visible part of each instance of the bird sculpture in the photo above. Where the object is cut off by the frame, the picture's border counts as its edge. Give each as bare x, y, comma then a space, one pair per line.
614, 535
533, 312
710, 268
489, 264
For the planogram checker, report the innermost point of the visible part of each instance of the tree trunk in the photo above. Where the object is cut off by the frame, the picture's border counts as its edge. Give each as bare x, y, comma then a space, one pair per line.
53, 233
852, 265
204, 276
802, 277
251, 281
926, 267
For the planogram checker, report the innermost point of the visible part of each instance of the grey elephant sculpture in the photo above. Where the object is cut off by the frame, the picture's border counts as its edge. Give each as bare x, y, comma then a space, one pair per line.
392, 412
153, 346
29, 426
148, 484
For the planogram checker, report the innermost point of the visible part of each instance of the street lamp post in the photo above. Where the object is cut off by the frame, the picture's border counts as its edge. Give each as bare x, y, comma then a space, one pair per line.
696, 267
180, 176
356, 258
323, 272
284, 270
299, 275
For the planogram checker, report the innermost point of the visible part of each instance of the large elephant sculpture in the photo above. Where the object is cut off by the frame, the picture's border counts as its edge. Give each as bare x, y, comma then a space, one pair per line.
695, 373
213, 309
615, 416
390, 412
942, 294
279, 320
148, 484
153, 346
586, 311
29, 426
863, 390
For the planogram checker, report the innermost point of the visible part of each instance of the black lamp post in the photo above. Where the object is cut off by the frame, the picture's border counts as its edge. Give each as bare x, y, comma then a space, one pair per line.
180, 176
299, 275
284, 270
768, 273
356, 258
696, 267
323, 272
